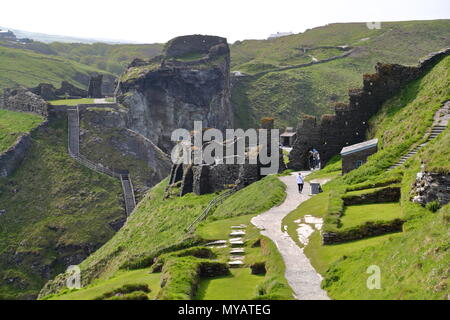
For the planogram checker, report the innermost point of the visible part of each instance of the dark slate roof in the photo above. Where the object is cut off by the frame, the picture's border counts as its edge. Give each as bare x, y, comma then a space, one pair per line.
359, 147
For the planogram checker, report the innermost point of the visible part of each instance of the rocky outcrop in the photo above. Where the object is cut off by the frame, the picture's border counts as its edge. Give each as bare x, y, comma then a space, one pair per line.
191, 82
105, 138
349, 123
430, 187
66, 91
11, 159
22, 100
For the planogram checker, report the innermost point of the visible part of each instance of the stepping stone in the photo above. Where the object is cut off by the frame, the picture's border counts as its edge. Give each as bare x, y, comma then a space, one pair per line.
218, 242
234, 258
237, 243
237, 251
236, 239
236, 263
217, 247
238, 227
237, 233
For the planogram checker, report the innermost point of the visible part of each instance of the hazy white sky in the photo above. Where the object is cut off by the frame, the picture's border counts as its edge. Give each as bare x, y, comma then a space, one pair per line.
158, 21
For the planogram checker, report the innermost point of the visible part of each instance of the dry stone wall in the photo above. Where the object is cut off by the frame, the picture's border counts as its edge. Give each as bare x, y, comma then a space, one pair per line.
350, 122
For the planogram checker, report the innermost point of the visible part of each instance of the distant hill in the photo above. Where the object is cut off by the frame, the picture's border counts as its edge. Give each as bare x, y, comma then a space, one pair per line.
28, 68
48, 38
278, 89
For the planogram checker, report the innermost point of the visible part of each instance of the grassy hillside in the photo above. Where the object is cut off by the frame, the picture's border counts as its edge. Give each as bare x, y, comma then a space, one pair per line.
56, 213
413, 263
111, 58
166, 221
27, 68
287, 95
13, 124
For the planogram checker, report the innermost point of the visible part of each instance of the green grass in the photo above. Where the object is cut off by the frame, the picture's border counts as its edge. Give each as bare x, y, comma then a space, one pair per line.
317, 206
322, 257
359, 214
240, 285
28, 68
13, 124
108, 57
332, 169
51, 202
166, 221
256, 198
413, 263
98, 288
71, 102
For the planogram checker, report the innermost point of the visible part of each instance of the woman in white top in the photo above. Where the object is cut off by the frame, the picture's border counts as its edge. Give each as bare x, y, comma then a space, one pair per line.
300, 182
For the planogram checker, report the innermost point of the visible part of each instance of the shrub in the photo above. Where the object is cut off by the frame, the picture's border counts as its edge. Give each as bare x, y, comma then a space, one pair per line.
126, 290
137, 295
258, 268
433, 206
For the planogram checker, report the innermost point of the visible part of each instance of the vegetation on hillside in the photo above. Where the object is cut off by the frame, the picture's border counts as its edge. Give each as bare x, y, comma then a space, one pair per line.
56, 212
27, 68
13, 124
107, 57
166, 220
413, 262
288, 95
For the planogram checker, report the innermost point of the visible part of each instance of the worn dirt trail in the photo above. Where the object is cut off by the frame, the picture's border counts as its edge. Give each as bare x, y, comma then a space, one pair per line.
301, 276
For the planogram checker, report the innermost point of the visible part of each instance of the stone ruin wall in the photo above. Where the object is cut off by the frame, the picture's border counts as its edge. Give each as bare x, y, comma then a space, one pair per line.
350, 122
208, 178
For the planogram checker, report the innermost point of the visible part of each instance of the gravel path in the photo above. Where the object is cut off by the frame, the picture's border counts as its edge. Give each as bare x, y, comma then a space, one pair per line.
300, 274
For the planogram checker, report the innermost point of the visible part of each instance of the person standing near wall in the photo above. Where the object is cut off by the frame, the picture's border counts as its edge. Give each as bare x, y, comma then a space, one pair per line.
300, 182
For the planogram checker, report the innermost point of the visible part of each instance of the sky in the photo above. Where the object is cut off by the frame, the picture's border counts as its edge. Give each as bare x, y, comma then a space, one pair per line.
149, 21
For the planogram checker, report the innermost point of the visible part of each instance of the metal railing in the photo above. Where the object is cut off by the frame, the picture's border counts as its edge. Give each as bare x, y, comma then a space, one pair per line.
212, 205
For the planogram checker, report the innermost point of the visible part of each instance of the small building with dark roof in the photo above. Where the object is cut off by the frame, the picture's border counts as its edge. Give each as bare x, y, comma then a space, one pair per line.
288, 137
355, 155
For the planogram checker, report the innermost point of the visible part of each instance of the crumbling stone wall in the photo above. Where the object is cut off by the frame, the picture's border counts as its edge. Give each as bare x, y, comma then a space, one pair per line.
430, 187
67, 90
12, 158
190, 44
95, 86
350, 122
22, 100
389, 194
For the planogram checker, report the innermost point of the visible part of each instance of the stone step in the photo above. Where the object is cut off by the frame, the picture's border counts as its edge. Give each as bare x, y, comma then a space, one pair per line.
236, 263
239, 227
237, 233
237, 251
234, 258
217, 243
236, 243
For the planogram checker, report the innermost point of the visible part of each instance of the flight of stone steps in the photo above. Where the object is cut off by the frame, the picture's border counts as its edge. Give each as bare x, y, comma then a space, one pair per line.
74, 152
236, 244
441, 119
237, 251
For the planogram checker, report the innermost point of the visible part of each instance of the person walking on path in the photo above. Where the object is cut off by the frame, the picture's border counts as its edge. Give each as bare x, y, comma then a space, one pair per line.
300, 182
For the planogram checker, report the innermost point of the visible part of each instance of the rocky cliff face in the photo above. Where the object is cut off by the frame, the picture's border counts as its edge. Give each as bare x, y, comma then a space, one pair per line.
105, 139
190, 82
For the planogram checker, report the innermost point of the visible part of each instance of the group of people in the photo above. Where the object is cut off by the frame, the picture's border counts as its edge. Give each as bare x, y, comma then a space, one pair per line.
314, 159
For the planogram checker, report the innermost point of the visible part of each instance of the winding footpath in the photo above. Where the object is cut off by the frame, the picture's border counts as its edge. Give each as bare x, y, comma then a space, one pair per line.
300, 274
